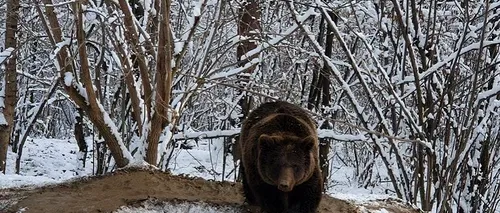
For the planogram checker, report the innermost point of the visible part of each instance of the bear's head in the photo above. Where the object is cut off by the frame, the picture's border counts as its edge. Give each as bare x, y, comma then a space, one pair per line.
286, 160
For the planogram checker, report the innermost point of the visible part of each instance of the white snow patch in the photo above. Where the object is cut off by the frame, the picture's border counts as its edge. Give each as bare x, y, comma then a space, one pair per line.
381, 211
197, 9
183, 207
205, 160
13, 180
45, 161
360, 196
68, 78
59, 46
3, 121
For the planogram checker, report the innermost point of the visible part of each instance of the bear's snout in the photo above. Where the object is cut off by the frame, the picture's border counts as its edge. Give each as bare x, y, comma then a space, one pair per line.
284, 187
286, 180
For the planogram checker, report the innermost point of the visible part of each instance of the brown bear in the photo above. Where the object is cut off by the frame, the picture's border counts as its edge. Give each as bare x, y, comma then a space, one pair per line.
280, 161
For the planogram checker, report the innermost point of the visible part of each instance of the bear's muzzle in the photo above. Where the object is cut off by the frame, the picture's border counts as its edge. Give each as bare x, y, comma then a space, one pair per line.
286, 180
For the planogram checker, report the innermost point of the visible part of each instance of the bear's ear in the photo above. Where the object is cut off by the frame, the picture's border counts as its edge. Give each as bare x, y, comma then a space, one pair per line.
267, 141
308, 143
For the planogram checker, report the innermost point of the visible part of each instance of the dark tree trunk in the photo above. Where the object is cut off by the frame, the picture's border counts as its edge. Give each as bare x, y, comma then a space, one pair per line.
10, 99
80, 135
319, 95
249, 23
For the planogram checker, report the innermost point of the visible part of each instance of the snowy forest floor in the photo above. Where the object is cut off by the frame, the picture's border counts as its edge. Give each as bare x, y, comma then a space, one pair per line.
137, 190
49, 181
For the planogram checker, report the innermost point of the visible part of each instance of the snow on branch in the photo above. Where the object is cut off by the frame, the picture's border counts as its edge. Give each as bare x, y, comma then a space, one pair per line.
206, 134
263, 46
6, 54
495, 90
322, 133
59, 4
450, 58
116, 134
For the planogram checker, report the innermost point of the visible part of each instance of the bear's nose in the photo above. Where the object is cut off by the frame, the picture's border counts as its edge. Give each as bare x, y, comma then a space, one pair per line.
285, 187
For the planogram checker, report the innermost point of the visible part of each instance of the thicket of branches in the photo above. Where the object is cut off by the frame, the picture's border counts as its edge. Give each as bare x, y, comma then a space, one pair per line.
413, 85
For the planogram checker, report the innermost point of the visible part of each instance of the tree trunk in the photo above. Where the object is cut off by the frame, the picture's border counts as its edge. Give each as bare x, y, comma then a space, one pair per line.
320, 97
164, 79
248, 28
248, 25
10, 98
132, 36
80, 136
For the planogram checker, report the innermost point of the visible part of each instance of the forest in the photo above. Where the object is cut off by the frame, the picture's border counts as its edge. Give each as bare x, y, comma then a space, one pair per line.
405, 93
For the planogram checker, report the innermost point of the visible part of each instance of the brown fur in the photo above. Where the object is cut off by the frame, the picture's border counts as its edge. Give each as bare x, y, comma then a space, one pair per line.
280, 163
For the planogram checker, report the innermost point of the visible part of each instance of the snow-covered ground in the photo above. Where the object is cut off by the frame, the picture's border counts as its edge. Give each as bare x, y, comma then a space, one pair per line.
46, 161
183, 207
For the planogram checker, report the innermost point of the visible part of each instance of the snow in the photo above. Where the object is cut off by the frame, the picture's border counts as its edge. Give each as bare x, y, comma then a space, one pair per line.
262, 46
45, 161
197, 9
322, 133
489, 93
359, 196
450, 58
5, 54
81, 90
165, 138
206, 134
235, 71
3, 121
183, 207
68, 78
326, 133
205, 160
58, 48
59, 3
114, 130
13, 180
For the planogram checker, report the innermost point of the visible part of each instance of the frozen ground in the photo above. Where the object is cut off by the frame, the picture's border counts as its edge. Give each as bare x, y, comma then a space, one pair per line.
44, 161
48, 161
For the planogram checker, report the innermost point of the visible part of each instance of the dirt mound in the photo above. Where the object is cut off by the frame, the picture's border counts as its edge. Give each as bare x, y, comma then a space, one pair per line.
133, 187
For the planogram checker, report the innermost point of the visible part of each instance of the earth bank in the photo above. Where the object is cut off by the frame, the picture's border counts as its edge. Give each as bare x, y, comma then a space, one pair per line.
134, 187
